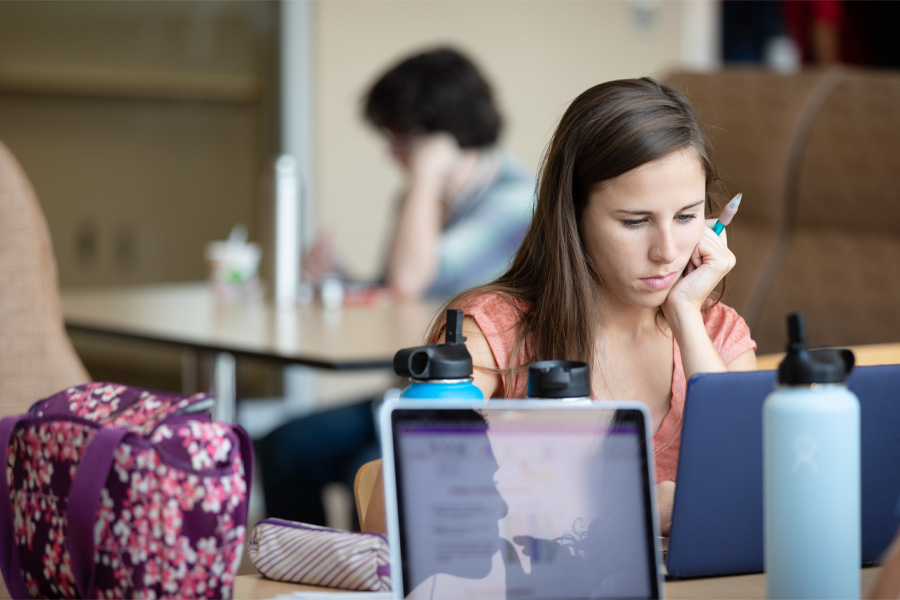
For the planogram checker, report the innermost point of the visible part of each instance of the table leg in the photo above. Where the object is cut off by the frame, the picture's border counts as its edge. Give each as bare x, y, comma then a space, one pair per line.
213, 372
224, 387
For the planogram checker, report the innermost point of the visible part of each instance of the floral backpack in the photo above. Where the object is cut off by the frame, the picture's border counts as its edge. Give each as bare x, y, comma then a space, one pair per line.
113, 492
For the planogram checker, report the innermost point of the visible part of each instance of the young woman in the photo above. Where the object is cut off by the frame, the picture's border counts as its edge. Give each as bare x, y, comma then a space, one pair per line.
617, 268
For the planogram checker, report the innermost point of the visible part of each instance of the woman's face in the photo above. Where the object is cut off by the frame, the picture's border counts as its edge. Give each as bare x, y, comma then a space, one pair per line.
641, 227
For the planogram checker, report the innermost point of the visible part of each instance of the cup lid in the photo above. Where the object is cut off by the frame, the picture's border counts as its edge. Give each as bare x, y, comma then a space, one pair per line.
231, 252
559, 379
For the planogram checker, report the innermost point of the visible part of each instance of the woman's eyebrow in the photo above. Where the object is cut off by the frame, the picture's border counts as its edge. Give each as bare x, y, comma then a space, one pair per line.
650, 212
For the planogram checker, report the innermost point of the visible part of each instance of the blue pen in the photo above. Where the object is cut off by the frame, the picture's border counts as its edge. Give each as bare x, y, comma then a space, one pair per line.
727, 214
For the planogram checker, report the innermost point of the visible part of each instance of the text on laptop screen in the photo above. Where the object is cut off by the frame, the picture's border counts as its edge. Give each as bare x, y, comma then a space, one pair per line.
524, 504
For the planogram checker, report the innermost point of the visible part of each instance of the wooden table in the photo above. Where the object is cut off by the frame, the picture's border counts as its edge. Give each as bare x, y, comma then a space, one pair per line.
187, 315
255, 587
872, 354
742, 586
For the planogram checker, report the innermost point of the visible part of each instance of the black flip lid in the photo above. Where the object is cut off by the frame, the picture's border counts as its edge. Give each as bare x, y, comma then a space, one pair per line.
450, 360
559, 379
803, 367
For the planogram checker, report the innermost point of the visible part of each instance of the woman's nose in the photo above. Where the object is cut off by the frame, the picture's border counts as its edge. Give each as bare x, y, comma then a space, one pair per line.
663, 248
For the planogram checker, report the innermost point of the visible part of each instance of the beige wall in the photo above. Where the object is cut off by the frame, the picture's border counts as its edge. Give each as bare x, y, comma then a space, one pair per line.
143, 127
126, 113
539, 54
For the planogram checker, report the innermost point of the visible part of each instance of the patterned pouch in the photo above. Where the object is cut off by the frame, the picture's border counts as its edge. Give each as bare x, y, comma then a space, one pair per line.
314, 555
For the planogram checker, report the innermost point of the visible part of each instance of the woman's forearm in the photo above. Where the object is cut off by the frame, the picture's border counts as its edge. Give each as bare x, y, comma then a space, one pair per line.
698, 354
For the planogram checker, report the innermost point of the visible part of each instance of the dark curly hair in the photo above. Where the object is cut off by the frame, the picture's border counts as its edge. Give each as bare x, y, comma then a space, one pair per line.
436, 91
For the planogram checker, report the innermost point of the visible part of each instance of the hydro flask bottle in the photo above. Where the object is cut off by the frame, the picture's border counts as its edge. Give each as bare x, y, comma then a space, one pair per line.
811, 475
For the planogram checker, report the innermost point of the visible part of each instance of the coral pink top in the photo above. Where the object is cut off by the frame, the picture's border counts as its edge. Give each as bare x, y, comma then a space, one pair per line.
727, 330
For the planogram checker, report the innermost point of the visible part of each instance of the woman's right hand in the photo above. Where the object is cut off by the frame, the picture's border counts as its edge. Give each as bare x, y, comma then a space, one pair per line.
708, 265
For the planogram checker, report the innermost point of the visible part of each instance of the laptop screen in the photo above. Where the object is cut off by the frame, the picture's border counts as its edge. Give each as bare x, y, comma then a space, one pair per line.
521, 500
717, 520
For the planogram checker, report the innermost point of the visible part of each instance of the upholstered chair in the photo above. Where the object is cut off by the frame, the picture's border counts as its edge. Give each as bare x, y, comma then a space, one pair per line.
36, 355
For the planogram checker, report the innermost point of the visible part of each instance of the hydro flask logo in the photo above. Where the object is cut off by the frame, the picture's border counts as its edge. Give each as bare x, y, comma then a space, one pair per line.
805, 447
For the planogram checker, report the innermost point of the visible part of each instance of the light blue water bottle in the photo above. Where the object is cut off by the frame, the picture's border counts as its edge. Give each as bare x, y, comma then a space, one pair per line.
811, 475
442, 371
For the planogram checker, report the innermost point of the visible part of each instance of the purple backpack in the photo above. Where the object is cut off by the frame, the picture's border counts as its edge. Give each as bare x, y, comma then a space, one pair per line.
113, 491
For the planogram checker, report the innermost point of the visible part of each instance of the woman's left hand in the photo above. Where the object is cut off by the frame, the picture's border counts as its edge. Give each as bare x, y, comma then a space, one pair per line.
709, 263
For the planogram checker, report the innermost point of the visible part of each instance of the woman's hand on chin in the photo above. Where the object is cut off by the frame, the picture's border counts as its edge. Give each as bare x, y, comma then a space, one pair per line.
709, 263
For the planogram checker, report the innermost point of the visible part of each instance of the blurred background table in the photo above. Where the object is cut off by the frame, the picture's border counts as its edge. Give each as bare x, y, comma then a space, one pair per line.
187, 315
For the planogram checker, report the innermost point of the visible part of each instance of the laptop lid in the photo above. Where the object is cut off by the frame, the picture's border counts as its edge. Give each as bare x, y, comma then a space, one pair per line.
717, 519
520, 499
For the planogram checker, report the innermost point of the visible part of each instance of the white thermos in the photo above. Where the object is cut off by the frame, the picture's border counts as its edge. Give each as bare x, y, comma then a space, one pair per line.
811, 475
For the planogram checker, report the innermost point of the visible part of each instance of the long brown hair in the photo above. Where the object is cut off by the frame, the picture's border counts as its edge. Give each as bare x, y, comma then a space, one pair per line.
608, 130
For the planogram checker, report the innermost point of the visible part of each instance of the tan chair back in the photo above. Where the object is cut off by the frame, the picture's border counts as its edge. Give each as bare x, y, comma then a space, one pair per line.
36, 355
364, 485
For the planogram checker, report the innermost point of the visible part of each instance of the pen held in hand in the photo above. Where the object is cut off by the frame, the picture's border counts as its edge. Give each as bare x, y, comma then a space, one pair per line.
727, 214
724, 219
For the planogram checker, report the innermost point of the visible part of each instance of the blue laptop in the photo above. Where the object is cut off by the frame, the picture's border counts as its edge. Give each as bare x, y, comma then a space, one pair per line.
717, 520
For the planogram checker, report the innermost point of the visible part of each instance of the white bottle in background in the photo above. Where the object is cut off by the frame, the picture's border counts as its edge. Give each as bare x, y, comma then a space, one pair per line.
286, 271
811, 475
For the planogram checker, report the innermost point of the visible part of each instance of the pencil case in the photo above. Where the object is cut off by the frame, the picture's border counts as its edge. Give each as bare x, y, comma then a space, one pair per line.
315, 555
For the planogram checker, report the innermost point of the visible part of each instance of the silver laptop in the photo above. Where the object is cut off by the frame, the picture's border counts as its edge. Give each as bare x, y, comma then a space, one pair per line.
520, 499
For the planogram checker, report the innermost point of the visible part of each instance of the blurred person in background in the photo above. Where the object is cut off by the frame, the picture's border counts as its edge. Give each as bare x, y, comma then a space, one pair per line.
819, 32
855, 32
465, 203
462, 214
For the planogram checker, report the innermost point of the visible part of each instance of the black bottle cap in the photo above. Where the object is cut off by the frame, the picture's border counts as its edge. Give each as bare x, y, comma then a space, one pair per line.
559, 379
803, 367
450, 360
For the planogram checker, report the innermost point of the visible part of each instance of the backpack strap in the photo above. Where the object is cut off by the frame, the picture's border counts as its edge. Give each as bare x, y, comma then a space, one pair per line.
9, 552
246, 446
84, 499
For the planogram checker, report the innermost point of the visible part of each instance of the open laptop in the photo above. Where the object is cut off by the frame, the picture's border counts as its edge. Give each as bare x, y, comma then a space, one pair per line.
717, 520
520, 499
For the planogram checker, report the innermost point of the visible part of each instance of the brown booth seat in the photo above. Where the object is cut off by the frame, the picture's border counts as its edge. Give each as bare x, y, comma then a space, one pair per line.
842, 264
817, 156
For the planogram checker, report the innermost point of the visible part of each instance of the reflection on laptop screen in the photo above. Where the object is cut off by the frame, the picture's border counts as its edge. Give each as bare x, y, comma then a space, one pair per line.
517, 503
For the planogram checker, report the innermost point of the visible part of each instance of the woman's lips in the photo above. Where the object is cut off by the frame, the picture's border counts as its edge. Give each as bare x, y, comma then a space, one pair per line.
661, 282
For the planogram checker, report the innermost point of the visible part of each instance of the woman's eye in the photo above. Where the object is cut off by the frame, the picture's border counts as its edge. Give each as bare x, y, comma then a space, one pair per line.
634, 222
686, 218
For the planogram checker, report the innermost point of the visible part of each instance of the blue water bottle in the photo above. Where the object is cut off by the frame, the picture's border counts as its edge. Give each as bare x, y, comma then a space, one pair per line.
442, 371
811, 475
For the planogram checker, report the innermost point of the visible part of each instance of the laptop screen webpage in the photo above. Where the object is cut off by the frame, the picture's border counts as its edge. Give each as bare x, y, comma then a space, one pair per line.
523, 503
